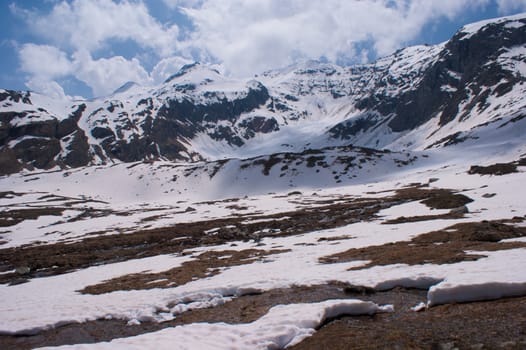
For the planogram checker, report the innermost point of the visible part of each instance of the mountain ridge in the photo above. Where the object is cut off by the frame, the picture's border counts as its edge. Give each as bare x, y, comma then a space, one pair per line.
418, 98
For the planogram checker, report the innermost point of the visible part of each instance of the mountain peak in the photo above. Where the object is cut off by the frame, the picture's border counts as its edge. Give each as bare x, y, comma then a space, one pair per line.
125, 87
195, 68
515, 21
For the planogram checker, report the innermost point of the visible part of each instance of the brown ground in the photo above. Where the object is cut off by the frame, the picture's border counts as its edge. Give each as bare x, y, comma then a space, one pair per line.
439, 247
497, 168
57, 258
62, 257
207, 264
499, 324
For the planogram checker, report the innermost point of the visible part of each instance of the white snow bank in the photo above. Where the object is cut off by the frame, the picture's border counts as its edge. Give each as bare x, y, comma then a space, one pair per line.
58, 302
499, 275
282, 326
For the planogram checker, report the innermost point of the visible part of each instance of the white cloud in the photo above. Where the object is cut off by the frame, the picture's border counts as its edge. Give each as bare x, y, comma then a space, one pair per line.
246, 37
250, 36
90, 24
105, 75
511, 6
44, 61
47, 87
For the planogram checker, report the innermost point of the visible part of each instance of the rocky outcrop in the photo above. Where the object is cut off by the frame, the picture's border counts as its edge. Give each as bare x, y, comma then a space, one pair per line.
466, 71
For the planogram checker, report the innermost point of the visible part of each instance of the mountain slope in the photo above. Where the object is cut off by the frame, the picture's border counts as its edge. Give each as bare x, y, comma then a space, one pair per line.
419, 97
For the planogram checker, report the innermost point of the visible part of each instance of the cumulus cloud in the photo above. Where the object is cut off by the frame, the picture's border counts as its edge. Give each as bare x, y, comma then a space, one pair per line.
46, 86
250, 36
90, 24
105, 75
245, 37
44, 61
511, 6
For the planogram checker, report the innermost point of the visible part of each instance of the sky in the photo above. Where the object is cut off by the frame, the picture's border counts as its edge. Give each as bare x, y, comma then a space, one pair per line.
90, 48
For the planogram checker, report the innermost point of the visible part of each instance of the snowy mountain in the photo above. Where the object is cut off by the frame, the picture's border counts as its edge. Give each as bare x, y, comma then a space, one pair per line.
417, 98
215, 213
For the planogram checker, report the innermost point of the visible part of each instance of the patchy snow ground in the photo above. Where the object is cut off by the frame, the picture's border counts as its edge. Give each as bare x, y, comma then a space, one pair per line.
283, 325
128, 204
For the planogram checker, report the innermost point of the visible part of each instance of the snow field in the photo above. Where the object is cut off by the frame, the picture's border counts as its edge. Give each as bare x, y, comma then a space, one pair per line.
58, 301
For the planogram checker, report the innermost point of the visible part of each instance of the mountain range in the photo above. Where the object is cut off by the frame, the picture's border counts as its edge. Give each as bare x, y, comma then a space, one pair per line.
469, 90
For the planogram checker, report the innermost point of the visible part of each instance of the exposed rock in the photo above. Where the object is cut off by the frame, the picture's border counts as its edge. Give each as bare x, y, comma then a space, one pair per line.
77, 151
38, 152
8, 162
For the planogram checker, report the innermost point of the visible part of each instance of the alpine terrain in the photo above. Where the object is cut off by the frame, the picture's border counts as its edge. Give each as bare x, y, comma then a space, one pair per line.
315, 206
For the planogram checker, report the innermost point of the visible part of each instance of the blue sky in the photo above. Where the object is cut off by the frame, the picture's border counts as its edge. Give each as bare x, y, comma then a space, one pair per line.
91, 47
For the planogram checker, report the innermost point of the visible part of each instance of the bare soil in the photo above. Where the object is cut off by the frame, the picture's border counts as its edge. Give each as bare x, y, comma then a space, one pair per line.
439, 247
499, 324
16, 216
207, 264
494, 169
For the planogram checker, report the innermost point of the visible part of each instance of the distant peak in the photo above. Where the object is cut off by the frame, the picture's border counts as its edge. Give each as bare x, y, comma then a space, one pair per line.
304, 67
472, 28
125, 87
187, 68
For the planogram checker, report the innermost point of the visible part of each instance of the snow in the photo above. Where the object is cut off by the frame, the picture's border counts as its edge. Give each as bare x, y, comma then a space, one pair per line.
448, 88
282, 326
410, 209
490, 278
514, 60
140, 192
421, 306
45, 294
514, 21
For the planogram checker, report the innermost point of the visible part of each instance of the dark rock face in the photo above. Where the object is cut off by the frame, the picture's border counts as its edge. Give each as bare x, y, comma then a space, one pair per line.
8, 162
350, 128
467, 65
77, 150
38, 152
183, 119
258, 125
102, 133
37, 144
468, 58
15, 96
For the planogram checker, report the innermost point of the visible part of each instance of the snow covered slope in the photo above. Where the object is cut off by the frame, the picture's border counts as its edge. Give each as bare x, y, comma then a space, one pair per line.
419, 97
